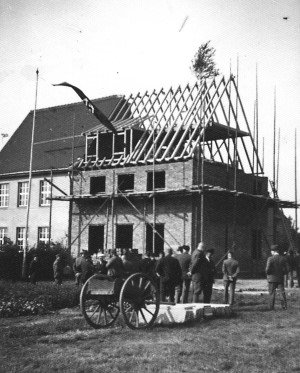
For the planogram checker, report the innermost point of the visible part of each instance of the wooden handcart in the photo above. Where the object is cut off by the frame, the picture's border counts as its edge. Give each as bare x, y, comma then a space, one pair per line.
103, 297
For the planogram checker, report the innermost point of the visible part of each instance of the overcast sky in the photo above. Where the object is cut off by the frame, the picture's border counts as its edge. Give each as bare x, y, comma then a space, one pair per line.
119, 47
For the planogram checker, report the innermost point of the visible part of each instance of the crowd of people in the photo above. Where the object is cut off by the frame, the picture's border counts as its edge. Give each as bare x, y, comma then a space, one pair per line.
181, 277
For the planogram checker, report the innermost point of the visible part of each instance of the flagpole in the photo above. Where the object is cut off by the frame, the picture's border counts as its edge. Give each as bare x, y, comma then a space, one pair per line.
296, 196
30, 180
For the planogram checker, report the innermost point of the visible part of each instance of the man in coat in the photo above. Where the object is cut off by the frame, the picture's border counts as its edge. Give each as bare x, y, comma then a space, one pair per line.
196, 263
115, 266
87, 267
230, 271
148, 265
169, 271
208, 272
58, 270
100, 266
184, 287
34, 269
77, 267
276, 268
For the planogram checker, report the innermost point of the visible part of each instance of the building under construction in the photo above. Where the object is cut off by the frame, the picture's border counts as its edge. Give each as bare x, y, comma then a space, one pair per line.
182, 168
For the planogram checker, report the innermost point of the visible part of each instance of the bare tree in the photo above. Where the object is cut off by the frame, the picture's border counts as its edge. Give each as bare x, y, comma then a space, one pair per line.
203, 64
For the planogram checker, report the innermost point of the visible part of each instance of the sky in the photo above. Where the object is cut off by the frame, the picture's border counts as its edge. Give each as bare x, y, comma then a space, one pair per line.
109, 47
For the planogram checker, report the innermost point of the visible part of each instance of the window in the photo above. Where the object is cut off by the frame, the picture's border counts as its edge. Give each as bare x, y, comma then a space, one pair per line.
3, 235
45, 192
125, 182
159, 180
124, 235
21, 237
3, 195
23, 189
256, 243
97, 185
158, 238
96, 238
119, 144
43, 235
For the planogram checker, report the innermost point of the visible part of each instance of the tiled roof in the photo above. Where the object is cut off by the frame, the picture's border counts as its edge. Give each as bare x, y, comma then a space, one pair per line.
53, 136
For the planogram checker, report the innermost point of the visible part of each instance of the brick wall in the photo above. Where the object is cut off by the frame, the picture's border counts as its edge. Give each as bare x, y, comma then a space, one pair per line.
180, 214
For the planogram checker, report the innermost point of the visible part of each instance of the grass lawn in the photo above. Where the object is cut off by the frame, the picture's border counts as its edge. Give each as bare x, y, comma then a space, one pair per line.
252, 340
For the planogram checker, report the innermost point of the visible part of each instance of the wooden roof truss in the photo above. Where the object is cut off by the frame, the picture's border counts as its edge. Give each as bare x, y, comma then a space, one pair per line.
206, 118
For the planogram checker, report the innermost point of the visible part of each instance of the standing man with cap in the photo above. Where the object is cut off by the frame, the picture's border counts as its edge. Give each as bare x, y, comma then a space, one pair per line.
230, 271
276, 268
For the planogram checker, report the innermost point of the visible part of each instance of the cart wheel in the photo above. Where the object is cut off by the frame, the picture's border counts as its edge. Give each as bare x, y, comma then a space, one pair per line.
139, 301
100, 311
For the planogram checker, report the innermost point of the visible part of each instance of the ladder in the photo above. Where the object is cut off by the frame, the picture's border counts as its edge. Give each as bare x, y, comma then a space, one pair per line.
282, 216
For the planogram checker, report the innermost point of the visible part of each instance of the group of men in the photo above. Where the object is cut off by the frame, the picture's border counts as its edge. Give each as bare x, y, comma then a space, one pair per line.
175, 273
179, 271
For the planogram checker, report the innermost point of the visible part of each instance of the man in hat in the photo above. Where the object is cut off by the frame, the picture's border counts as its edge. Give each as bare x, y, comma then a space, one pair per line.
230, 271
197, 260
276, 268
77, 267
100, 266
208, 271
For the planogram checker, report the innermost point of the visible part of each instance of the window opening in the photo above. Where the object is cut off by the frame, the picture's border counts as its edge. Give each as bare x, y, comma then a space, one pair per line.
125, 182
159, 180
96, 239
119, 144
124, 235
97, 184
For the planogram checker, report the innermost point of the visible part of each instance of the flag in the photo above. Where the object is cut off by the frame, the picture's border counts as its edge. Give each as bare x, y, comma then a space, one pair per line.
91, 107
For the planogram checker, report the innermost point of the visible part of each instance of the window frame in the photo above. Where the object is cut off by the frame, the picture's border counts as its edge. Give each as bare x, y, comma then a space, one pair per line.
4, 195
43, 235
45, 192
20, 239
23, 193
3, 235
